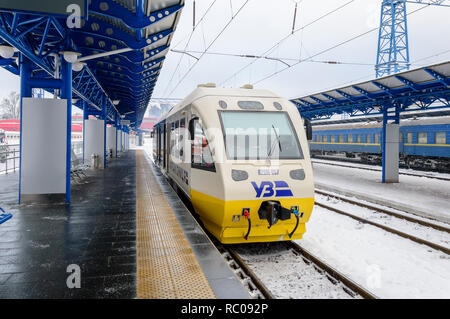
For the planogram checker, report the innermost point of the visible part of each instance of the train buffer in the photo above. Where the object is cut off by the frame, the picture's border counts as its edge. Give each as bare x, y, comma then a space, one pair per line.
4, 216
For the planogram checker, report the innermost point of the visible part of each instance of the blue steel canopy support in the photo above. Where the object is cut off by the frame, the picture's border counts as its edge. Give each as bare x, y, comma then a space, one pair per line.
25, 91
66, 73
142, 36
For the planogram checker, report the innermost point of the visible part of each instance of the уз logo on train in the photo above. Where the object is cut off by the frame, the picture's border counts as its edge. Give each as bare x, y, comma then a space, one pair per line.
269, 189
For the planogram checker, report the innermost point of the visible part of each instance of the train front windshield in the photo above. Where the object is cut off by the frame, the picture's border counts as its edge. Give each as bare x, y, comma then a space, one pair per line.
259, 136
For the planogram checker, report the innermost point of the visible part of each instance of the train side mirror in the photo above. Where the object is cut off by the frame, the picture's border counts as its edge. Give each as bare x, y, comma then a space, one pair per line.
192, 128
308, 129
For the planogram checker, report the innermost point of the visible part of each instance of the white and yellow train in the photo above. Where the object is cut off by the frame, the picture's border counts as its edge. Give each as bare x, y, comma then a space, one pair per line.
241, 156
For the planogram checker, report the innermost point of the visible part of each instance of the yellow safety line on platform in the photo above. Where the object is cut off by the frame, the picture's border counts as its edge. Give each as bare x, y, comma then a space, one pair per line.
166, 265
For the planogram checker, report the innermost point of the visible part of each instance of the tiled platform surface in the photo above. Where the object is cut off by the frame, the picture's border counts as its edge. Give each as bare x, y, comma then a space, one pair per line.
97, 232
190, 261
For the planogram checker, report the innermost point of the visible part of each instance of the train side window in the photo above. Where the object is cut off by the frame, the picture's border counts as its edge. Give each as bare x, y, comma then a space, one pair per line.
341, 138
376, 138
367, 138
440, 138
324, 138
350, 138
400, 137
422, 138
358, 138
333, 138
201, 156
409, 137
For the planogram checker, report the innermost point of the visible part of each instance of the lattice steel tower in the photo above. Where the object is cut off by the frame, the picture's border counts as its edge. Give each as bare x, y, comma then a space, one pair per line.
393, 48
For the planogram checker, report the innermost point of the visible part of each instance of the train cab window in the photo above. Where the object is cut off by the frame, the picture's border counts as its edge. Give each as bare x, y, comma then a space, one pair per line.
358, 138
341, 138
367, 138
259, 135
333, 138
409, 137
422, 138
350, 138
376, 138
201, 156
440, 138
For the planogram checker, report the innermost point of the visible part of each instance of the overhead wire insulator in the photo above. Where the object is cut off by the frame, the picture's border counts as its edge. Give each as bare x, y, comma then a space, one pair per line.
193, 16
295, 16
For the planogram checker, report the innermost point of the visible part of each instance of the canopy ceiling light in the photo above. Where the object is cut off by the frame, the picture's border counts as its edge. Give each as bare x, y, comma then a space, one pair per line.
78, 66
116, 102
71, 56
6, 51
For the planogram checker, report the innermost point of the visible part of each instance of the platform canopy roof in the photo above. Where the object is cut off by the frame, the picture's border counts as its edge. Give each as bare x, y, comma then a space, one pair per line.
424, 88
122, 42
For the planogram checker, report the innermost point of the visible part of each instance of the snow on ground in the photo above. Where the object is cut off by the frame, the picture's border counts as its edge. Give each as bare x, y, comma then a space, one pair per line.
423, 232
378, 168
430, 196
388, 265
287, 275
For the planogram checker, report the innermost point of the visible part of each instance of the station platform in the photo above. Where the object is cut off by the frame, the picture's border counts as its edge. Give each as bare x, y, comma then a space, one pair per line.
126, 229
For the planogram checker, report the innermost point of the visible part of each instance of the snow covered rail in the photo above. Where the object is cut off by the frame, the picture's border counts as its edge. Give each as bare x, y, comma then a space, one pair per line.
385, 211
287, 270
375, 169
386, 228
254, 285
333, 273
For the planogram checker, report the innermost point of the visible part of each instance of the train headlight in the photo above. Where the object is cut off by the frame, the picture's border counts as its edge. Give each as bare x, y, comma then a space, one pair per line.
298, 174
238, 175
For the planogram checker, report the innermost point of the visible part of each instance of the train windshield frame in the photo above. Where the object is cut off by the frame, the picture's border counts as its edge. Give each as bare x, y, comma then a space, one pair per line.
257, 135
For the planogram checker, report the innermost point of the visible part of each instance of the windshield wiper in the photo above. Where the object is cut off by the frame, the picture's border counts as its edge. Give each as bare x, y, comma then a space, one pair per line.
272, 145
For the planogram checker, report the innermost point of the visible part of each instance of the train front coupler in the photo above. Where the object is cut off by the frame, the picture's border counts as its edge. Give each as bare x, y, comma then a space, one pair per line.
273, 211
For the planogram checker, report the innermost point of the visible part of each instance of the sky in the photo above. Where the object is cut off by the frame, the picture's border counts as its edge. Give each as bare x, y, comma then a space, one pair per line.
260, 24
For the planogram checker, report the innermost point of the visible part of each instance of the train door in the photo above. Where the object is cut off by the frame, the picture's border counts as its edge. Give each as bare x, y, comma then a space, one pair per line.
184, 153
164, 145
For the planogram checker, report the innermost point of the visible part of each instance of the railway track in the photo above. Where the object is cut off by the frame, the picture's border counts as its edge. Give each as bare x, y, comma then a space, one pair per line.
379, 170
259, 289
384, 227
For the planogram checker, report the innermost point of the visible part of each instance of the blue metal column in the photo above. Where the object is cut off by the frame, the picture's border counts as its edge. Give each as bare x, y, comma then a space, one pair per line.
85, 117
66, 74
25, 91
105, 118
117, 127
383, 145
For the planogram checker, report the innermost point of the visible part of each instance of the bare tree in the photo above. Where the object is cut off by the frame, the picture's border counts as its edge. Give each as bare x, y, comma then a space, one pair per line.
10, 106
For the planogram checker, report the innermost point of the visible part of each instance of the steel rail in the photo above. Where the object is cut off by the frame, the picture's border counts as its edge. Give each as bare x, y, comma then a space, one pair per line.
332, 272
385, 211
246, 269
386, 228
379, 170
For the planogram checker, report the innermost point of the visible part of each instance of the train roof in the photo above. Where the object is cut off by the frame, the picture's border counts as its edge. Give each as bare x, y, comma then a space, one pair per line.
440, 120
204, 91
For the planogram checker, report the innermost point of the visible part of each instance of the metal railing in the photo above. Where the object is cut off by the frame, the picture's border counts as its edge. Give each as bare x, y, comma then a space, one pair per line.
10, 156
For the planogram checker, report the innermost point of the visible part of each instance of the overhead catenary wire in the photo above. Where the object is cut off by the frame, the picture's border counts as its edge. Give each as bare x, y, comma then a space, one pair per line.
328, 49
250, 56
209, 46
286, 37
187, 43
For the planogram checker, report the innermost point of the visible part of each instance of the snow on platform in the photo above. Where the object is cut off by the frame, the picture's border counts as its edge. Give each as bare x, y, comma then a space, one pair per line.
418, 195
387, 265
